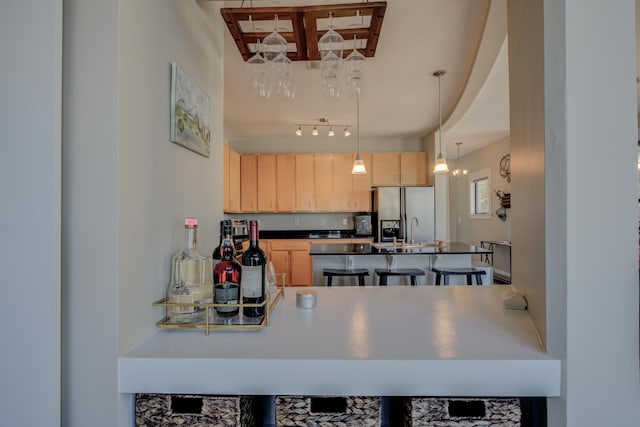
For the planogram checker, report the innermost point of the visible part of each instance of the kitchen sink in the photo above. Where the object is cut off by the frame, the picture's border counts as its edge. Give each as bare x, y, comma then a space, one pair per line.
389, 245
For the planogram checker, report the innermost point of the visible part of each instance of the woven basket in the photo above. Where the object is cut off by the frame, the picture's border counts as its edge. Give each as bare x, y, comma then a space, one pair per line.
460, 412
169, 410
328, 411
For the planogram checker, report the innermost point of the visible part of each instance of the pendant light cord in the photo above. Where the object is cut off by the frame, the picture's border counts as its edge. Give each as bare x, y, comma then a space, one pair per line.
358, 122
440, 113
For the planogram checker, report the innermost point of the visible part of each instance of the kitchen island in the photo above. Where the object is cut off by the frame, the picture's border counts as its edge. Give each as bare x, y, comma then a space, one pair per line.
386, 255
393, 341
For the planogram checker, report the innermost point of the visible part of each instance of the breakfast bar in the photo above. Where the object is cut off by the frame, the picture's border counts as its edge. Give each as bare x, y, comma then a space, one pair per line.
376, 341
398, 256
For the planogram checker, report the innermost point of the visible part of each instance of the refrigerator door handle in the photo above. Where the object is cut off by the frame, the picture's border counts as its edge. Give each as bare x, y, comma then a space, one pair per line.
403, 213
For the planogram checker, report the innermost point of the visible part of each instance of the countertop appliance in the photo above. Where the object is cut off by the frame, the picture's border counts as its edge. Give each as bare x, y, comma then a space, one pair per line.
399, 210
362, 224
240, 233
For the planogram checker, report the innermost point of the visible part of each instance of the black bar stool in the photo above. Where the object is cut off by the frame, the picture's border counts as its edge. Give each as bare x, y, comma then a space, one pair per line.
411, 272
469, 272
329, 273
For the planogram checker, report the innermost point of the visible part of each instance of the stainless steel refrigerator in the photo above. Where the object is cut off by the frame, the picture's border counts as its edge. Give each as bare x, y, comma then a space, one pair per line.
397, 208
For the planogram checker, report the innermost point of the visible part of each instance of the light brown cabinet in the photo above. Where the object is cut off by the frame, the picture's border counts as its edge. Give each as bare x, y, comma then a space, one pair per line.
231, 191
267, 177
385, 169
305, 183
343, 182
286, 183
323, 182
352, 193
314, 182
399, 168
413, 168
361, 186
249, 183
291, 257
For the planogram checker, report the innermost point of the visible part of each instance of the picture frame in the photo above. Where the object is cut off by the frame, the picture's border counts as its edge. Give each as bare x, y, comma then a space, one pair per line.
190, 113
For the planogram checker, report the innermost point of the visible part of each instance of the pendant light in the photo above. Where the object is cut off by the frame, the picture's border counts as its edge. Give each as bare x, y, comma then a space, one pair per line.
441, 162
358, 163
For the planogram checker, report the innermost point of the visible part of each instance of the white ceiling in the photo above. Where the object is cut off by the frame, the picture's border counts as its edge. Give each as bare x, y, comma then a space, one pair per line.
400, 101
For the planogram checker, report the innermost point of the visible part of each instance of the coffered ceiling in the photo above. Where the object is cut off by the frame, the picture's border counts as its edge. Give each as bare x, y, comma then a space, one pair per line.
400, 100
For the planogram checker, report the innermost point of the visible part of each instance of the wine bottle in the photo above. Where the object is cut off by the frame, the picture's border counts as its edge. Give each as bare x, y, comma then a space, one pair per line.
227, 274
217, 252
191, 279
254, 263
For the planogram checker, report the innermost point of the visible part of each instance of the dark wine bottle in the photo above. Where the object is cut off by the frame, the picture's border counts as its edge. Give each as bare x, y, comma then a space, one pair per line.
254, 271
217, 252
227, 275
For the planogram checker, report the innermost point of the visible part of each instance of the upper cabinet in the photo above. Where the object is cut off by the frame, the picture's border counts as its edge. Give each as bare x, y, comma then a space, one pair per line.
286, 183
249, 183
231, 191
406, 168
314, 182
352, 193
305, 183
385, 168
323, 185
267, 182
361, 186
413, 168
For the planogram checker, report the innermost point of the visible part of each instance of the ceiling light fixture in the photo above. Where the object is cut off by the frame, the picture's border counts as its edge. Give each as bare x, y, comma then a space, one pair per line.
441, 162
358, 163
457, 171
322, 122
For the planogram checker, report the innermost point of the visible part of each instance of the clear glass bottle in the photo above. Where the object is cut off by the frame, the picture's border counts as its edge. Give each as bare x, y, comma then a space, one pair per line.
254, 263
191, 279
227, 274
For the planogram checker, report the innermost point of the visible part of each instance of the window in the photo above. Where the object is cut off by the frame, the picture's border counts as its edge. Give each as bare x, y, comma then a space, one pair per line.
480, 194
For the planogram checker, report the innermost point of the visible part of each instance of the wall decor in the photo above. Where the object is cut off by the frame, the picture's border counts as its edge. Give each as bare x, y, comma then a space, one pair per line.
190, 113
505, 167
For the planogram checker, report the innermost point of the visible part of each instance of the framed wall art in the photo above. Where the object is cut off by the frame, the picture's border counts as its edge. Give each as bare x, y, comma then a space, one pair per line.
190, 113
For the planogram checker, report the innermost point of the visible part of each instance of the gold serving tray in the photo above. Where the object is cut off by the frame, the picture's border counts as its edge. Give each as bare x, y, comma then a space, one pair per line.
213, 321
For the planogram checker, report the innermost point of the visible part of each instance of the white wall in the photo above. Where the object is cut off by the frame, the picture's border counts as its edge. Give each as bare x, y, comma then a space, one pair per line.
573, 82
128, 188
30, 109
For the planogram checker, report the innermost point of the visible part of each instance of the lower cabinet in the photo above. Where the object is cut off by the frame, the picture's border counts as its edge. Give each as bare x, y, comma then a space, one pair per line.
292, 258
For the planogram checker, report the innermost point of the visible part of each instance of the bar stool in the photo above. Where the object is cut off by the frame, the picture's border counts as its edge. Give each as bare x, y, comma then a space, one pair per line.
411, 272
469, 272
329, 273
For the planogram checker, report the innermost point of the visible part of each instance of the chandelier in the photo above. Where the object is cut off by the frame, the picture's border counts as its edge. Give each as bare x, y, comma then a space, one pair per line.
457, 171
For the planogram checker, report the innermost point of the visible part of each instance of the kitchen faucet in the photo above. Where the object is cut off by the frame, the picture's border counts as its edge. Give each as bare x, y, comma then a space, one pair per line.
417, 225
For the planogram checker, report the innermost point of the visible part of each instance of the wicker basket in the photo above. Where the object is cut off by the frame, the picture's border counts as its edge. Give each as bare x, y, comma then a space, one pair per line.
328, 411
169, 410
460, 412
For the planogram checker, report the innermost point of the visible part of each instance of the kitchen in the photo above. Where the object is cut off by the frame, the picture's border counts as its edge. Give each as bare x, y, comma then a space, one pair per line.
150, 202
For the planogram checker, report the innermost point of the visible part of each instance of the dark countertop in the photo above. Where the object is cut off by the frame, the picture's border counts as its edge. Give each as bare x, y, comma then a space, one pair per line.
309, 234
453, 248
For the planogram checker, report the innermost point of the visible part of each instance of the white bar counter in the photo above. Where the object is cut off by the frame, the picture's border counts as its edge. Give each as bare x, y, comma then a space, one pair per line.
393, 341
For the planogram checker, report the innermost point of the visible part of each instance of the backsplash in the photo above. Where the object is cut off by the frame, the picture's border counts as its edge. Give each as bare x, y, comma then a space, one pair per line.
300, 221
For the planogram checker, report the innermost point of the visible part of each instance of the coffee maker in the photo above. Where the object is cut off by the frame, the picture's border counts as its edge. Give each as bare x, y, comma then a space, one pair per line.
362, 224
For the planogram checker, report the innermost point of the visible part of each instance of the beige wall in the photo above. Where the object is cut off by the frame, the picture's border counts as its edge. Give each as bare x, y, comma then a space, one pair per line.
127, 188
463, 228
